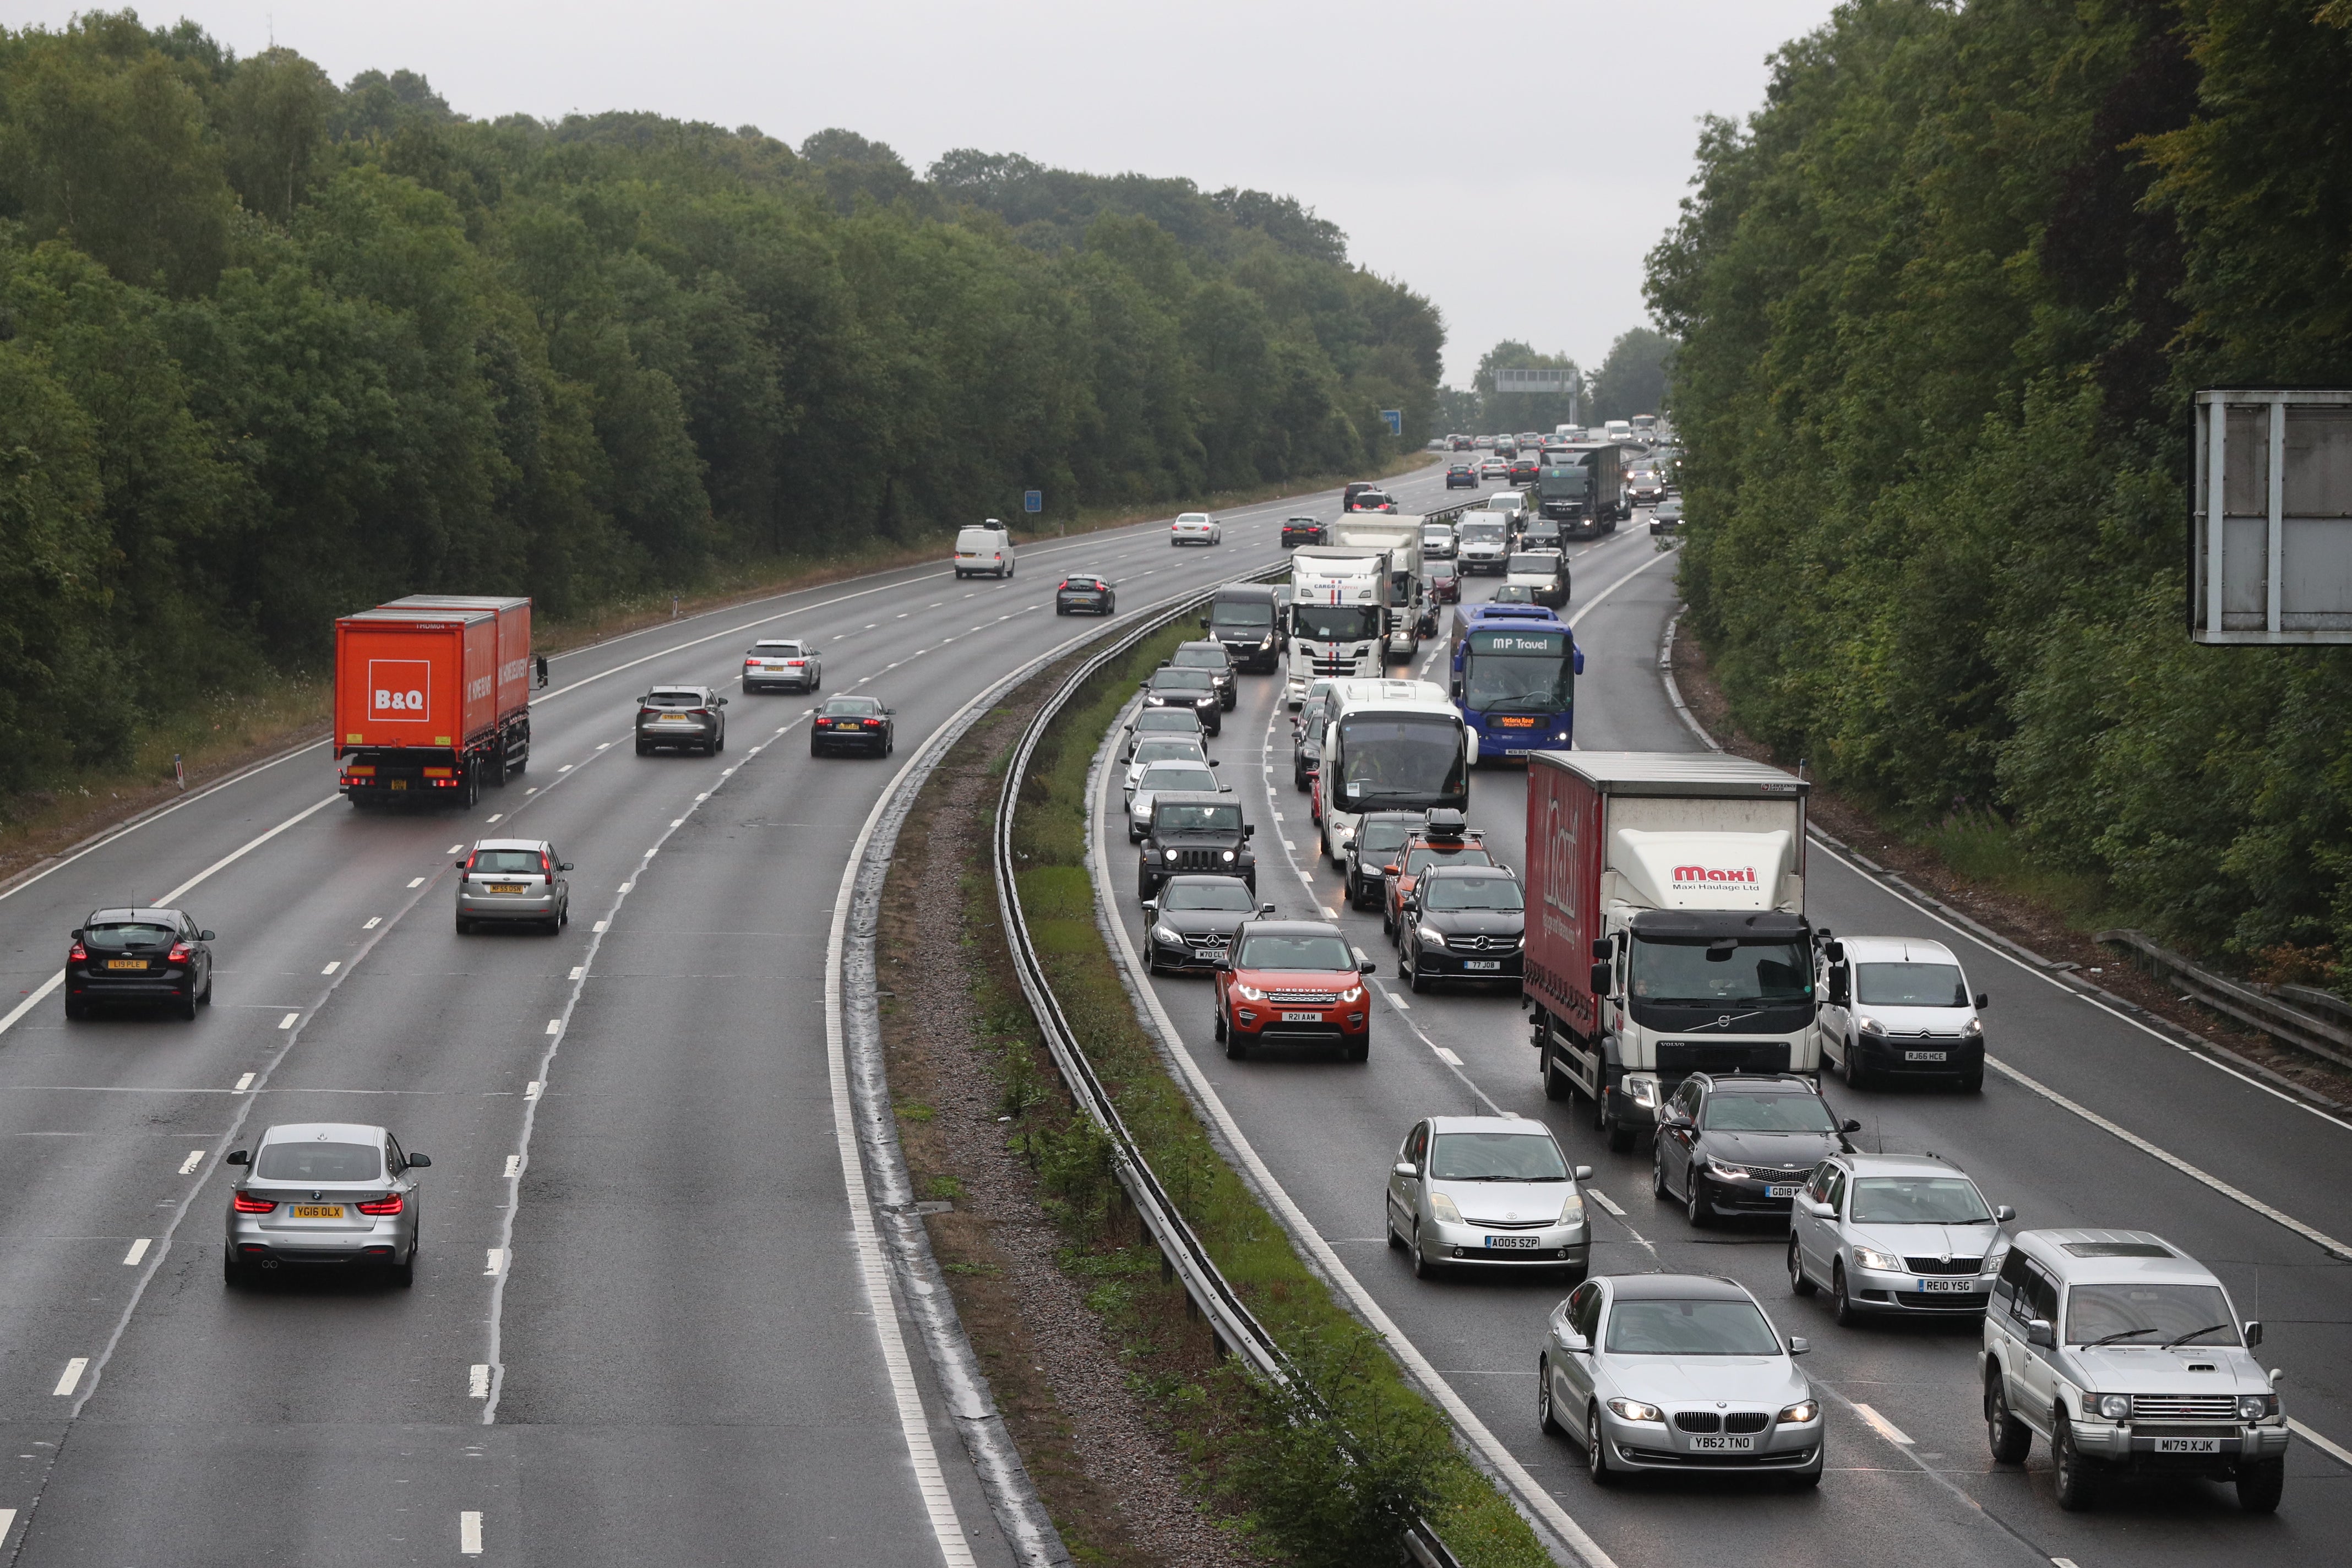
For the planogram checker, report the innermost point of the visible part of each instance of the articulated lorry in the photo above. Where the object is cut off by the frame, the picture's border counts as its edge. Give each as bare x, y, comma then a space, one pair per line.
1399, 538
432, 698
1667, 930
1583, 488
1339, 608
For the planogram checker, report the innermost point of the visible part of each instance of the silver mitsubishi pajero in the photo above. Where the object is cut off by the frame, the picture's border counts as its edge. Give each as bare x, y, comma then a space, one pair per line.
2126, 1357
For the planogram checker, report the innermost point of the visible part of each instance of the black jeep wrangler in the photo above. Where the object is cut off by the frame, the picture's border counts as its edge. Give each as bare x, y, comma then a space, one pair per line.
1193, 832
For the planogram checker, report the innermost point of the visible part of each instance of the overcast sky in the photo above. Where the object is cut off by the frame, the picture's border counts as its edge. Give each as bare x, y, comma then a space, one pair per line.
1513, 165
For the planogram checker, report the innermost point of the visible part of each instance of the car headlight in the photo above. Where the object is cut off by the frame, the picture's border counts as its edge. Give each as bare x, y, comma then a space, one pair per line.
1868, 1024
1430, 938
2108, 1406
1635, 1410
1885, 1262
1352, 994
1804, 1411
1249, 993
1229, 854
1155, 701
1572, 1211
1164, 933
1266, 641
1170, 853
1643, 1091
1974, 1029
1444, 1209
1729, 1172
2257, 1406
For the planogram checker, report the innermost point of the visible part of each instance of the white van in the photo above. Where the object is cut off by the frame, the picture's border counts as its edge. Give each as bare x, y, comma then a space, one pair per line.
1900, 1006
987, 548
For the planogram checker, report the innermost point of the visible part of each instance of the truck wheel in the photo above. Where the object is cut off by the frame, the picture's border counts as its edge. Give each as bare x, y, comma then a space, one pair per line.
1557, 1084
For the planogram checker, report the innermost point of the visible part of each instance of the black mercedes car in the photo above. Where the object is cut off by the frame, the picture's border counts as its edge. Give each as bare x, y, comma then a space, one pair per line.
852, 724
1169, 687
1742, 1144
1194, 831
141, 956
1083, 592
1190, 924
1301, 531
1218, 660
1463, 923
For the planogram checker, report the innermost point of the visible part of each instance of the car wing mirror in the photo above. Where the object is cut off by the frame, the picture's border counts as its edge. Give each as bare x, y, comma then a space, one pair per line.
1815, 1208
459, 862
2038, 1333
1152, 906
238, 1157
1366, 966
1225, 965
418, 1162
892, 711
76, 935
2003, 1212
1265, 910
1799, 1344
1984, 1000
203, 936
1571, 1341
1584, 1173
1249, 829
1390, 870
2253, 1332
1849, 1125
1214, 764
720, 702
542, 670
563, 865
1407, 1168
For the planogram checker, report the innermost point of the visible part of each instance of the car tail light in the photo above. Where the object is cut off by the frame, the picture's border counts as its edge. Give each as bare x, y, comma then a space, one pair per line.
391, 1202
874, 723
699, 713
245, 1203
794, 663
440, 773
1062, 585
751, 664
179, 953
545, 868
77, 955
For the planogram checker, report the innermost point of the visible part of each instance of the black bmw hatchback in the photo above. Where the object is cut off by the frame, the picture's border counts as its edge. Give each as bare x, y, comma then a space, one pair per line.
141, 957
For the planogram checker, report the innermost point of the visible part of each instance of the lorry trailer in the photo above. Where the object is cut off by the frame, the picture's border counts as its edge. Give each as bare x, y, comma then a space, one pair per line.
432, 698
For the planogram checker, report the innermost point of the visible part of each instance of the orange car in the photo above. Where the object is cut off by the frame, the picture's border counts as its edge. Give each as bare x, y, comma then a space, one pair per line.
1443, 840
1292, 982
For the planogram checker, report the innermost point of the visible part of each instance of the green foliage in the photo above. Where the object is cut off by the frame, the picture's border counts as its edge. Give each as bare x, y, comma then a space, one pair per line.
1939, 317
274, 350
1633, 379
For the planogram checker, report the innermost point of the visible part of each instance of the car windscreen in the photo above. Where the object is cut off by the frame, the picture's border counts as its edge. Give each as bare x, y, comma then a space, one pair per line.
1308, 951
1168, 749
1719, 974
1178, 776
1242, 613
1514, 593
1082, 584
1202, 658
1231, 896
1496, 1157
1377, 836
1471, 893
506, 860
1725, 1112
1177, 719
673, 699
776, 650
1181, 679
1405, 759
319, 1161
1918, 1200
1174, 817
1424, 855
1481, 532
2151, 1314
1336, 623
852, 707
1539, 564
1910, 985
1689, 1328
1526, 670
127, 933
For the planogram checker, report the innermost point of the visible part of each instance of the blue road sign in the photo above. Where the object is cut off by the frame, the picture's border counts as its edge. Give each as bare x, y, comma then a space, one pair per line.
1032, 500
1395, 418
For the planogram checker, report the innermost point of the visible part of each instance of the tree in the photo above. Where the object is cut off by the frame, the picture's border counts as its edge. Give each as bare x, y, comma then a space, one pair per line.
1633, 379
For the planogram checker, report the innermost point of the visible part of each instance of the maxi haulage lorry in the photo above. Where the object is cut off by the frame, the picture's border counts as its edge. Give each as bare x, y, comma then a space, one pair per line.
1667, 931
433, 696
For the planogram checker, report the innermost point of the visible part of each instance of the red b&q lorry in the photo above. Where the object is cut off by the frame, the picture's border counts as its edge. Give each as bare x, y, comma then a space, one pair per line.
432, 698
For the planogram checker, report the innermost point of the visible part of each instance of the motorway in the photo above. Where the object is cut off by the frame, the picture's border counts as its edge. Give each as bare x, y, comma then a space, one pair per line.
641, 1327
2086, 1119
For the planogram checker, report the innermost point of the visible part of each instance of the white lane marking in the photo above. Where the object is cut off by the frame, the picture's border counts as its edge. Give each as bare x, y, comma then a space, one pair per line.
1881, 1426
1621, 582
532, 790
460, 849
8, 1515
555, 1026
195, 1158
71, 1378
530, 1091
1605, 1201
243, 1083
577, 973
240, 852
2341, 1454
2309, 1232
497, 1257
1448, 1058
625, 887
332, 965
416, 882
478, 1380
599, 925
288, 1021
514, 1166
470, 1533
675, 822
138, 1250
564, 769
494, 816
601, 744
371, 923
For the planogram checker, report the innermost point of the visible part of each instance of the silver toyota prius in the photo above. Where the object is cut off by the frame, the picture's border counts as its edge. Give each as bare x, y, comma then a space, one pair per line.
323, 1192
1677, 1372
1487, 1191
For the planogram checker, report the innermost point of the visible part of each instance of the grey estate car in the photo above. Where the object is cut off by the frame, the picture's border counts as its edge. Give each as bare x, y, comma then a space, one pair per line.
518, 881
1904, 1234
1486, 1192
320, 1193
2126, 1356
1677, 1372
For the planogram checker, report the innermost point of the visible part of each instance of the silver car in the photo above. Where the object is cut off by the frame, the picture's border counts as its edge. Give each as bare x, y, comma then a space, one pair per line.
513, 879
1677, 1372
323, 1192
1153, 749
685, 717
1903, 1234
782, 664
1160, 777
1489, 1192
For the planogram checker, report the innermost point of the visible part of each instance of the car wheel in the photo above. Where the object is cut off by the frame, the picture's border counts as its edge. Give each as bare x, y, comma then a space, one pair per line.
2009, 1438
815, 750
403, 1274
1422, 1268
1061, 609
1972, 1082
188, 1010
1805, 1480
76, 1011
1695, 1203
236, 1276
1237, 1043
1596, 1450
1547, 1420
644, 750
1797, 1280
2070, 1471
1856, 1075
1413, 977
465, 926
206, 999
2260, 1484
719, 745
1842, 1306
1396, 1241
1388, 922
1361, 1051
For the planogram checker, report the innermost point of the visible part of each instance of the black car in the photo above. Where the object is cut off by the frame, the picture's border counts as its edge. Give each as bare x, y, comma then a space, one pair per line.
685, 717
1301, 531
1462, 476
1378, 835
1246, 618
1369, 500
1523, 471
1217, 660
852, 724
1742, 1144
1542, 533
1170, 687
1194, 831
1463, 923
1190, 924
139, 956
1159, 722
1084, 593
1307, 742
1665, 516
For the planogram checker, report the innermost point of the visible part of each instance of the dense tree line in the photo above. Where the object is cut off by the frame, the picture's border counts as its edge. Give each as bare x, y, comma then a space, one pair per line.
1943, 302
273, 349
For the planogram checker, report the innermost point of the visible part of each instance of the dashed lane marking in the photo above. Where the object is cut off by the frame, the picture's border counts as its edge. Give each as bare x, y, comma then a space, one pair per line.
195, 1158
70, 1379
332, 965
1881, 1426
244, 1082
470, 1533
1605, 1201
478, 1380
138, 1250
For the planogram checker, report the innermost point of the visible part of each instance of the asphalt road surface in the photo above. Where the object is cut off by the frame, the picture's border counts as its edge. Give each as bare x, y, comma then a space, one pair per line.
640, 1330
2086, 1119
